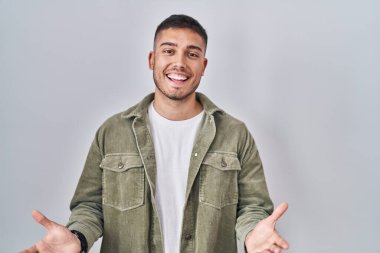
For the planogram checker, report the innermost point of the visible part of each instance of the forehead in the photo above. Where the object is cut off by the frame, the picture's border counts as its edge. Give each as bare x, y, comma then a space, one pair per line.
180, 36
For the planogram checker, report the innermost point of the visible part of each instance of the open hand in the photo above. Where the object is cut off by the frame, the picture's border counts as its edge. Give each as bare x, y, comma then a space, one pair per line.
264, 237
57, 240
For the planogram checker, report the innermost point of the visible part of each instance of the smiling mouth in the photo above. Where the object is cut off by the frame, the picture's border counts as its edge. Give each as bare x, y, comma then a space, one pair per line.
177, 78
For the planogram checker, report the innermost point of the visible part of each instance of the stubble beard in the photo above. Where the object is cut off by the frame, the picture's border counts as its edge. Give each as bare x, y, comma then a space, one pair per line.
172, 96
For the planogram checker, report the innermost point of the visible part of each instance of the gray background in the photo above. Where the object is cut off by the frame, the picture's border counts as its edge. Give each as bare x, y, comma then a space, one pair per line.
303, 75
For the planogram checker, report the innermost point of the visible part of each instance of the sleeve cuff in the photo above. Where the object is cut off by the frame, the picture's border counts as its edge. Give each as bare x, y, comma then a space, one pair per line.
82, 239
243, 232
86, 232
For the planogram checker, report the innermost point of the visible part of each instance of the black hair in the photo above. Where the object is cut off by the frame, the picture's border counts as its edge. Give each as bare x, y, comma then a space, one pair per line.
182, 21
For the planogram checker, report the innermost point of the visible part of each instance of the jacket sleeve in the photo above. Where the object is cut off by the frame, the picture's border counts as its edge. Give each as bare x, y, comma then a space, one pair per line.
86, 205
254, 202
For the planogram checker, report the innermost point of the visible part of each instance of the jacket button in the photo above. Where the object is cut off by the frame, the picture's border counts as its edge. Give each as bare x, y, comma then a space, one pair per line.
188, 237
120, 165
223, 163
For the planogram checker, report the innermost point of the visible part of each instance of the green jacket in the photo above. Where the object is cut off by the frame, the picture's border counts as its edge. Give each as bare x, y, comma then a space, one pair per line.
226, 193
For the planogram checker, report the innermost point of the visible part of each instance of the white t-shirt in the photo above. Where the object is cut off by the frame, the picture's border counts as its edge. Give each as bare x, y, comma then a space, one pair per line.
173, 144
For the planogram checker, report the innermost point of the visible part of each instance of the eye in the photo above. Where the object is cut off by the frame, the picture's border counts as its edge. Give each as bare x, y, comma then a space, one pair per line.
168, 51
193, 55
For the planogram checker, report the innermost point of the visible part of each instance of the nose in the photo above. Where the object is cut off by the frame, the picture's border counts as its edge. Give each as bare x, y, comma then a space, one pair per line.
180, 61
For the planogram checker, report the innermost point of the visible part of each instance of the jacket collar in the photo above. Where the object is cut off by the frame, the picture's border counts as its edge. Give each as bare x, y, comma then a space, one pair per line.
142, 108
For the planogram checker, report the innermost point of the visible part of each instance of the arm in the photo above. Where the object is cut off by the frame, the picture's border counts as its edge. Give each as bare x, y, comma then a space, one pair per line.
255, 205
86, 205
254, 202
86, 216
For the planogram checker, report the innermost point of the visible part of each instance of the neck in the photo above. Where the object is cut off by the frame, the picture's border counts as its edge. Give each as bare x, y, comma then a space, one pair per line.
176, 109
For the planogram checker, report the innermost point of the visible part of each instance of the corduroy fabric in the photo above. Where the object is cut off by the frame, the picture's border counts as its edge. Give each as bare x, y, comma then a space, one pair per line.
226, 192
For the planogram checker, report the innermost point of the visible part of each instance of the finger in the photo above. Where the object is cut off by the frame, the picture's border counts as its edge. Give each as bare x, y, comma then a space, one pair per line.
279, 211
32, 249
40, 218
276, 249
278, 241
283, 244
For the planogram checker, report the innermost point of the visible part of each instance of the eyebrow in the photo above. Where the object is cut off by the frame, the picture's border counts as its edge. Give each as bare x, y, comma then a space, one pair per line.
175, 45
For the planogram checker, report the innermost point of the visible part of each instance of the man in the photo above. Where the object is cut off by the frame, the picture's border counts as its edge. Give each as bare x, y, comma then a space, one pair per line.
173, 173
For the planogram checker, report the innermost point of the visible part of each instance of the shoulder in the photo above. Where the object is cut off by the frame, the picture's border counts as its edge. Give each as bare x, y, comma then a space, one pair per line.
125, 118
225, 120
222, 118
113, 121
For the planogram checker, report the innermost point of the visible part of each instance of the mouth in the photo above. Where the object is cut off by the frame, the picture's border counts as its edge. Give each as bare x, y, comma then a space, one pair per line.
177, 78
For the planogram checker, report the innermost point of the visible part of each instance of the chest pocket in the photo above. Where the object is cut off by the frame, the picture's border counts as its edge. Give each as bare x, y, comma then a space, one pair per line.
123, 181
219, 179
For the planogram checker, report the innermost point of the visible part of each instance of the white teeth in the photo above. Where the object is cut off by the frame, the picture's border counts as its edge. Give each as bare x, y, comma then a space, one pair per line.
177, 77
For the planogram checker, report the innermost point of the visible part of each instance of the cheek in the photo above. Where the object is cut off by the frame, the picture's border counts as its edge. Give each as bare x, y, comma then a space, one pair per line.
197, 67
199, 70
158, 73
160, 66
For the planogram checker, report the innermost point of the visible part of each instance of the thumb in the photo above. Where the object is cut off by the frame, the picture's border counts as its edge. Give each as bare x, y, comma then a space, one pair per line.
40, 218
279, 211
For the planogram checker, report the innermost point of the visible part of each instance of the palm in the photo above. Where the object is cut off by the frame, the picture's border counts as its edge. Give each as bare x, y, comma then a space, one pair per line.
57, 240
263, 232
265, 237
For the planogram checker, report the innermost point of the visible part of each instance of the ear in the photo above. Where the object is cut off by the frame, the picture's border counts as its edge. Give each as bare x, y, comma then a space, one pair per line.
205, 61
151, 60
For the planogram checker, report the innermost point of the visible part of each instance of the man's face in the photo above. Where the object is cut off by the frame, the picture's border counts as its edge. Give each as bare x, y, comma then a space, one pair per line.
178, 62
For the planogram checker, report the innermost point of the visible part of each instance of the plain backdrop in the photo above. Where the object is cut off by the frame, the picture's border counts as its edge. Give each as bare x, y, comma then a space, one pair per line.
303, 75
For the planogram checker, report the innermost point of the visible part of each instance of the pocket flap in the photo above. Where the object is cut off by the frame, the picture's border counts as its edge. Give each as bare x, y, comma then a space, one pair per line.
222, 161
121, 162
